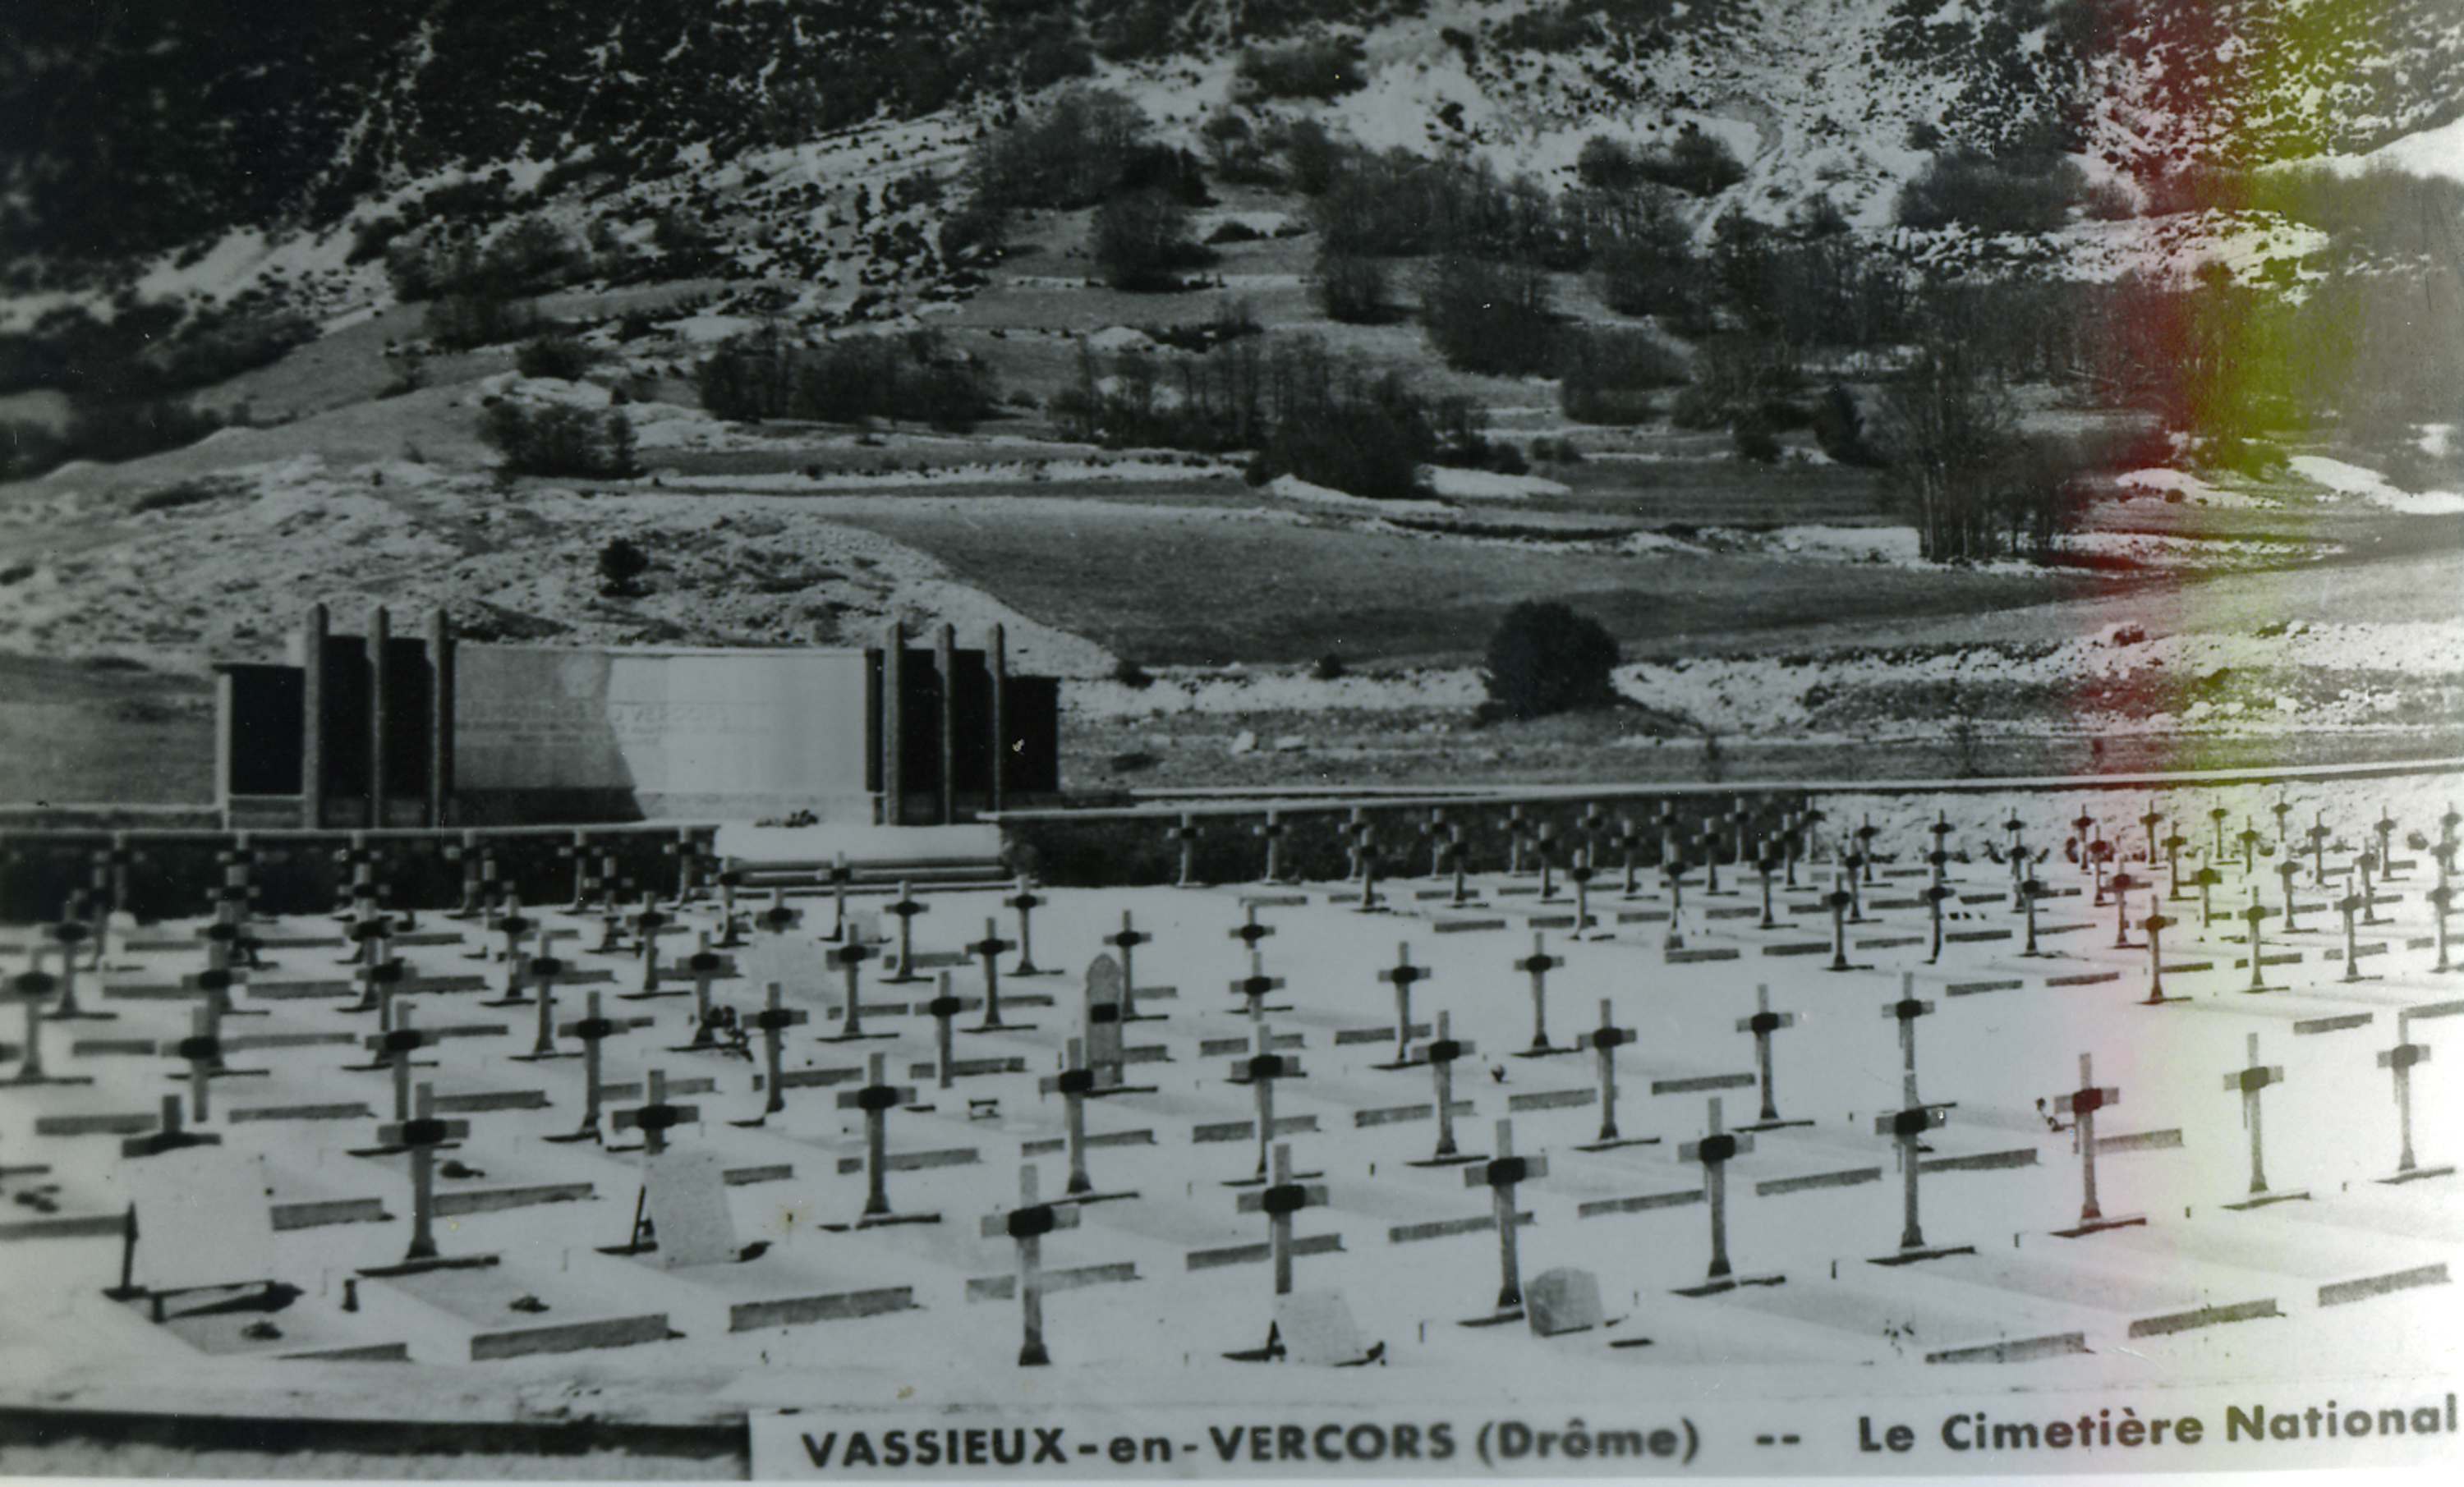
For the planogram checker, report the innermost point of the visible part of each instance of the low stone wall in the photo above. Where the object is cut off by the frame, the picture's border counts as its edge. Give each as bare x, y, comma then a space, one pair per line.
177, 872
1132, 845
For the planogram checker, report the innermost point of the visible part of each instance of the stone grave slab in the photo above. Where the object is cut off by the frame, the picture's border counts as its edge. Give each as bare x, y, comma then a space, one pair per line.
784, 1287
480, 1313
2375, 1210
510, 1178
1931, 1326
329, 1194
2300, 1014
2128, 1297
2342, 1269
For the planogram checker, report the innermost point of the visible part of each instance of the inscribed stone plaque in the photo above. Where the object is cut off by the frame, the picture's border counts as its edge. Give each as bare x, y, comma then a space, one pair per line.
203, 1219
686, 1193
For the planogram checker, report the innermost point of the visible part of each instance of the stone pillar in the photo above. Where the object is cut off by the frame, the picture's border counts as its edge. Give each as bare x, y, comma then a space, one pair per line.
997, 716
945, 660
440, 719
893, 734
312, 717
379, 632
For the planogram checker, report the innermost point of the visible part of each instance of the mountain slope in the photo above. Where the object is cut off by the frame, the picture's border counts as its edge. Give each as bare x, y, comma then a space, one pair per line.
133, 128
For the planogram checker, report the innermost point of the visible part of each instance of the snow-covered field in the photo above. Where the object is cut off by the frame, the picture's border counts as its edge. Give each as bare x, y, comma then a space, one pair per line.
1812, 1202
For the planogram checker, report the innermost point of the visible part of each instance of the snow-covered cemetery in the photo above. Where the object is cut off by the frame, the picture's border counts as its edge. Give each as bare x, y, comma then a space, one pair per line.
1113, 739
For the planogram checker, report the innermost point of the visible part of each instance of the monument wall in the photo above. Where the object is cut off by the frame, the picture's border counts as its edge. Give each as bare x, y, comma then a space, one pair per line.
552, 733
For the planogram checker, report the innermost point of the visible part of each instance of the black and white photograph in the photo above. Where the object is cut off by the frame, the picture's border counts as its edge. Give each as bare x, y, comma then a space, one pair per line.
1736, 725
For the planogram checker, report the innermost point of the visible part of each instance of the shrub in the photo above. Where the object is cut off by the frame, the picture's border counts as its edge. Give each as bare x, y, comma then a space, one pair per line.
1385, 205
1754, 437
148, 349
1489, 317
1368, 442
113, 431
558, 439
1608, 163
531, 255
462, 321
1736, 375
1070, 156
1160, 167
1314, 155
1321, 67
1546, 658
559, 355
2018, 194
760, 374
1839, 428
1131, 675
1141, 241
1605, 374
621, 566
189, 493
1351, 287
1697, 163
29, 449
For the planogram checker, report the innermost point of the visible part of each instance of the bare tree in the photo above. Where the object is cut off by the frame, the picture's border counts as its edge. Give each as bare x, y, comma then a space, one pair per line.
1950, 437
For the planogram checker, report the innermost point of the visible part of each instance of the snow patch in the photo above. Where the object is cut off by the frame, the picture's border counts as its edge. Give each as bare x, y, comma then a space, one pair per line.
2432, 152
2191, 488
2370, 486
1291, 488
1477, 485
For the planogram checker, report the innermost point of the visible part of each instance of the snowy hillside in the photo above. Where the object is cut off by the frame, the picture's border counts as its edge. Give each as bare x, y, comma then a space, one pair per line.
140, 132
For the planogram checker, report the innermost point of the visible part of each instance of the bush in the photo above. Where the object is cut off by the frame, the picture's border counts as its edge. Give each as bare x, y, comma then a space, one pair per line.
1314, 155
113, 431
621, 566
463, 322
1068, 156
1351, 287
1839, 428
1755, 439
149, 349
29, 449
1546, 658
1643, 259
1605, 374
1489, 317
2020, 194
1736, 375
1321, 69
1697, 163
1141, 241
1608, 163
760, 374
559, 355
1368, 442
559, 440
